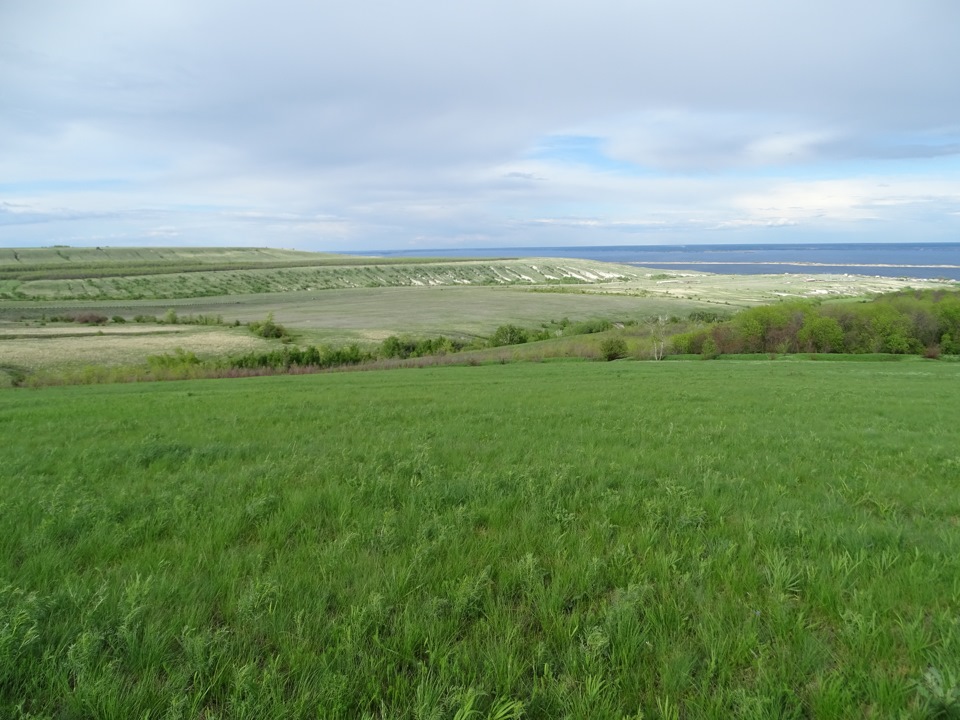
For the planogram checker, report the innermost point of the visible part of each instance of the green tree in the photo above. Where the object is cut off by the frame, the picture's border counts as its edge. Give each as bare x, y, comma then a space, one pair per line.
892, 331
820, 334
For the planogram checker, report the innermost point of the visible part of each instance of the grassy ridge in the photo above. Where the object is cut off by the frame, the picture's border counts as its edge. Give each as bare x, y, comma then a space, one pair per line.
202, 282
69, 262
60, 256
134, 273
592, 540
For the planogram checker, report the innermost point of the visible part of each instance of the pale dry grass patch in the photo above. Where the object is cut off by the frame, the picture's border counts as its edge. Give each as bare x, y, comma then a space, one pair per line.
73, 329
123, 348
741, 290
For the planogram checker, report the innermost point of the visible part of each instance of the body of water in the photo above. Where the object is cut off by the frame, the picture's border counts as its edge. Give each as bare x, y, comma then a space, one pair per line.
916, 260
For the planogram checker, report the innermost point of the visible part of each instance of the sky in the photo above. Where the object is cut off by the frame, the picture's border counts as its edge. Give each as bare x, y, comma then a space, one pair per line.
372, 125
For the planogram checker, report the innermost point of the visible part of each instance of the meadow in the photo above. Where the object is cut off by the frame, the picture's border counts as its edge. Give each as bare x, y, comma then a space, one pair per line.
537, 540
31, 343
334, 301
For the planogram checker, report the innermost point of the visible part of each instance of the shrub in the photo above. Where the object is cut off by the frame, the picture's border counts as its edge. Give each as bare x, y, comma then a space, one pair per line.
710, 350
508, 335
586, 327
403, 348
177, 359
268, 329
613, 348
726, 339
705, 316
119, 319
392, 347
200, 319
292, 357
948, 345
690, 343
90, 318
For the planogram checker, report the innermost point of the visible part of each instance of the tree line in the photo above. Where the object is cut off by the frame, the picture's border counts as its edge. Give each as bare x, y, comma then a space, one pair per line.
923, 322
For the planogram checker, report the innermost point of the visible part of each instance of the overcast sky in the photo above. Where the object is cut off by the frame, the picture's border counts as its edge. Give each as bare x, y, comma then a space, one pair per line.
369, 125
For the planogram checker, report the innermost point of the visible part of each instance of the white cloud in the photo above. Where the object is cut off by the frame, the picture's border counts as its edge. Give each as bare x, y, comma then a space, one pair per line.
785, 148
369, 125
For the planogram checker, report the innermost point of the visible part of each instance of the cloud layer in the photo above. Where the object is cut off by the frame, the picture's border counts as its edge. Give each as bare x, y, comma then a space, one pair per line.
370, 125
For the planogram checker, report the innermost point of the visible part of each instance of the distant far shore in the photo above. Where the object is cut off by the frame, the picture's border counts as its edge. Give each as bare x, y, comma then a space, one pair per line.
804, 264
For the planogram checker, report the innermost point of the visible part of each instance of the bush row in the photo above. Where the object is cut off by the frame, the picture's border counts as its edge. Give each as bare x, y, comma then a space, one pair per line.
403, 348
515, 335
909, 322
313, 356
169, 318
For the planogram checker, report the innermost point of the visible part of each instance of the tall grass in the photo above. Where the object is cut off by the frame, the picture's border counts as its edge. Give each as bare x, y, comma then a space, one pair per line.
532, 540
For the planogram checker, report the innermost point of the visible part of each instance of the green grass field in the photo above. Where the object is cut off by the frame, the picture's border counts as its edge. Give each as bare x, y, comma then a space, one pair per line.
584, 540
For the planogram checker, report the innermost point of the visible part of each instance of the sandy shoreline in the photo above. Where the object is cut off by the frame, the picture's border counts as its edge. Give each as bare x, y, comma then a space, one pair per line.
798, 263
